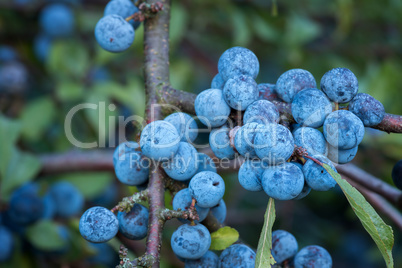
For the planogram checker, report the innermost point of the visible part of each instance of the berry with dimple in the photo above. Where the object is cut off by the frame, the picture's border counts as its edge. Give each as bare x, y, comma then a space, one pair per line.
316, 176
313, 257
238, 61
209, 260
184, 164
339, 156
185, 125
114, 34
98, 225
68, 200
283, 182
310, 139
343, 129
267, 91
274, 144
134, 224
205, 163
211, 108
182, 200
340, 85
219, 211
218, 82
397, 174
57, 20
191, 241
368, 109
244, 139
250, 174
293, 81
159, 140
123, 8
237, 255
130, 165
207, 188
219, 141
7, 244
240, 91
284, 246
310, 107
261, 112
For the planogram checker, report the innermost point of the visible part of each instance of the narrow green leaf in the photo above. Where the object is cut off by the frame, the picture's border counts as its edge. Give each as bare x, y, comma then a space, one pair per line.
264, 257
45, 235
223, 238
379, 231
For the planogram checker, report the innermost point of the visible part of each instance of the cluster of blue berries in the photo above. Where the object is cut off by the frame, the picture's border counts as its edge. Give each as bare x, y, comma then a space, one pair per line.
28, 205
285, 250
115, 31
272, 164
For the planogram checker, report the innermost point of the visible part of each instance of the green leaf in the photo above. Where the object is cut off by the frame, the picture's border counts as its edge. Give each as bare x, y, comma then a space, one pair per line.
264, 257
9, 133
21, 168
223, 238
68, 58
380, 232
69, 91
42, 111
45, 235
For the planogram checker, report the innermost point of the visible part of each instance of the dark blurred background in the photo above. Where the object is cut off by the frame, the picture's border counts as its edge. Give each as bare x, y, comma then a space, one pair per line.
52, 75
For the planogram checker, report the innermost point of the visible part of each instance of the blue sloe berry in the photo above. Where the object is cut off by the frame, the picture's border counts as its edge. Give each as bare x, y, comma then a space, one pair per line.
207, 188
341, 156
238, 61
114, 34
316, 176
261, 112
182, 200
209, 260
211, 108
68, 200
310, 107
240, 91
293, 81
57, 20
343, 129
205, 163
244, 139
185, 125
283, 182
130, 165
267, 91
220, 143
310, 139
123, 8
218, 82
284, 246
134, 224
159, 140
250, 174
313, 256
368, 109
191, 241
274, 144
237, 255
184, 164
219, 211
98, 225
340, 85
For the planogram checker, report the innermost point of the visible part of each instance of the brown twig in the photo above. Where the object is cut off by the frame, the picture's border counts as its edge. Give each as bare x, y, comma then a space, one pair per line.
156, 73
378, 202
372, 183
